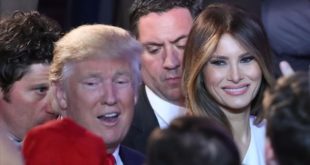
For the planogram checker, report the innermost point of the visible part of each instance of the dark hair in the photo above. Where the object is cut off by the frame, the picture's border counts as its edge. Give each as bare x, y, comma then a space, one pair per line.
26, 38
192, 141
288, 124
209, 26
141, 8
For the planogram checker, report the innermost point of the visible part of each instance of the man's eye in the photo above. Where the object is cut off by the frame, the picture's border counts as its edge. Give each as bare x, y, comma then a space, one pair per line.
41, 90
247, 59
152, 49
180, 46
122, 82
217, 62
90, 83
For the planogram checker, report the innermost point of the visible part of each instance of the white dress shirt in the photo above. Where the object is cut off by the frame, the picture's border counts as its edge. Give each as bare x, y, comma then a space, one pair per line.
117, 157
17, 143
165, 112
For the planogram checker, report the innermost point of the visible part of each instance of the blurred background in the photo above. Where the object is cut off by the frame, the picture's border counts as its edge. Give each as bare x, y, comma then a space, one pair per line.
286, 22
72, 13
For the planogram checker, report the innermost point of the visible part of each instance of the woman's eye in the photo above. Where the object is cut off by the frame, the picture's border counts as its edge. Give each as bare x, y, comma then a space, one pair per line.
217, 62
247, 59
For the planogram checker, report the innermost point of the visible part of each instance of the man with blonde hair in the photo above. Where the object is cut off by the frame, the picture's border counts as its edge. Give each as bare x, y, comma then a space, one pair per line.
95, 77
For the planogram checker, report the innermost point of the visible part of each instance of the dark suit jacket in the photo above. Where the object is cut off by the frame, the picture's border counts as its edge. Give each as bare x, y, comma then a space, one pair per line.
130, 156
143, 123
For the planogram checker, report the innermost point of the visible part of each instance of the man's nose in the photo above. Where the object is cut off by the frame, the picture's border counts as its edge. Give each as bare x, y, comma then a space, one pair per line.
171, 58
51, 107
109, 94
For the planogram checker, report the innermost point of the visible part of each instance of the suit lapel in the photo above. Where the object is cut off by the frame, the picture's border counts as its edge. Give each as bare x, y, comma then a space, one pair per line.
145, 118
143, 124
130, 157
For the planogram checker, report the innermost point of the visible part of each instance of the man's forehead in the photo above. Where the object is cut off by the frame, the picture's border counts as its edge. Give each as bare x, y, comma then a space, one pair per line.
169, 14
165, 27
101, 66
179, 39
174, 9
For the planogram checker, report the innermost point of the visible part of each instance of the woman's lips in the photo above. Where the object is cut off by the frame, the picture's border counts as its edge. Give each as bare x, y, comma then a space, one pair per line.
236, 91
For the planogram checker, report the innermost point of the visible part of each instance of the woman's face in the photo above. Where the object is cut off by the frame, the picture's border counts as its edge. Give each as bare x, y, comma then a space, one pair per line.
232, 75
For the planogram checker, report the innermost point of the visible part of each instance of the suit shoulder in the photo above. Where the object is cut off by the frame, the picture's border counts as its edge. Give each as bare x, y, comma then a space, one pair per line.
130, 156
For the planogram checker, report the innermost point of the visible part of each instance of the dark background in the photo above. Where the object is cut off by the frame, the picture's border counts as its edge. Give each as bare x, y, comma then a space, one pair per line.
291, 27
72, 13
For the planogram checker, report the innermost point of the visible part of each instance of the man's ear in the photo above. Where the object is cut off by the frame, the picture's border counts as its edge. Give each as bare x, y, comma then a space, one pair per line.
4, 96
269, 153
60, 95
1, 93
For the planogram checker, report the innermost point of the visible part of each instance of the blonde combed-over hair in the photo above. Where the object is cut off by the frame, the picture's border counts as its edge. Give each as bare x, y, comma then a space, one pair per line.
96, 40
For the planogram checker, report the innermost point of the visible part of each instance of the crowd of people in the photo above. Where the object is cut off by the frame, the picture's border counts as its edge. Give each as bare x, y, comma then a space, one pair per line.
186, 85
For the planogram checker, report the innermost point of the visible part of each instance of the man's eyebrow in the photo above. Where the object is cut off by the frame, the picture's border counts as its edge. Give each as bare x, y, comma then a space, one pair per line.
91, 75
152, 44
161, 44
40, 85
178, 39
122, 72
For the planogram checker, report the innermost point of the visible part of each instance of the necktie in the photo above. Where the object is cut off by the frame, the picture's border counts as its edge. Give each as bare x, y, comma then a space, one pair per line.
111, 160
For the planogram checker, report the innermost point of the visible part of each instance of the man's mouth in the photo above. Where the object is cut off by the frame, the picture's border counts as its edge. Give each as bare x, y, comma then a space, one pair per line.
109, 117
173, 79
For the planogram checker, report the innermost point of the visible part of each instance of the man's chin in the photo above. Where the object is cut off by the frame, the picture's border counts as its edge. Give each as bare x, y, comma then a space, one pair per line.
175, 96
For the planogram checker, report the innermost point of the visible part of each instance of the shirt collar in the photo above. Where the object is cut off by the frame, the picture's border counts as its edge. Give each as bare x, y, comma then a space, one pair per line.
163, 109
117, 157
18, 144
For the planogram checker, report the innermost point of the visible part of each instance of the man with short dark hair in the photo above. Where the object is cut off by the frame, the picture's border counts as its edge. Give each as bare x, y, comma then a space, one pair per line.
26, 51
162, 27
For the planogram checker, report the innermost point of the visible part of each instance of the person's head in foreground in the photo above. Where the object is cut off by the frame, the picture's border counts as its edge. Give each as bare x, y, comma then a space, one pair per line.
63, 142
288, 125
192, 141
